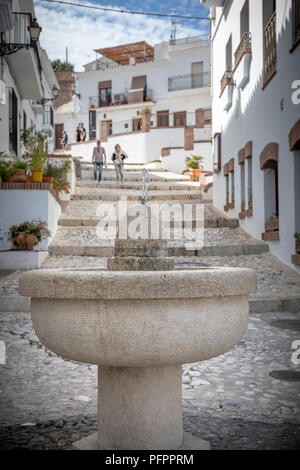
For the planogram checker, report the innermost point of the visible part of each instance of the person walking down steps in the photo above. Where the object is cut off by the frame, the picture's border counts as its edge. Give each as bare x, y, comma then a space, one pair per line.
98, 160
118, 158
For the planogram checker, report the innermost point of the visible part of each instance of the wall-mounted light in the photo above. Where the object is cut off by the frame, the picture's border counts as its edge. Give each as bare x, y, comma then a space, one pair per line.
229, 77
34, 31
54, 94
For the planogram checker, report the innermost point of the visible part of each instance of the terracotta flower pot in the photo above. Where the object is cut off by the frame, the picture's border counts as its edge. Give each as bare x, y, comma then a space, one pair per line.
37, 176
48, 179
19, 176
25, 241
272, 224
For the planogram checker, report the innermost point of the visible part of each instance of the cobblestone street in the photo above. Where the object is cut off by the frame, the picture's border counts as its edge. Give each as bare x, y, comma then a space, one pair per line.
48, 402
232, 401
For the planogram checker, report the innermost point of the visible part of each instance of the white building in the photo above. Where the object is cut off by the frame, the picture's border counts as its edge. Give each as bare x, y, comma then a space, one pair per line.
170, 81
27, 79
256, 111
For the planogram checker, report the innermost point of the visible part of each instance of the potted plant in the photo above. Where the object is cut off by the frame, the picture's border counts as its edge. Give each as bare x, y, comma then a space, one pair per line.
35, 144
145, 110
38, 162
272, 223
297, 238
49, 174
19, 171
27, 234
6, 169
193, 162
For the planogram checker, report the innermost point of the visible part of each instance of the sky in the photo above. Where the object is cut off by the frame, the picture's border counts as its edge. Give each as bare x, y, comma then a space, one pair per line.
82, 30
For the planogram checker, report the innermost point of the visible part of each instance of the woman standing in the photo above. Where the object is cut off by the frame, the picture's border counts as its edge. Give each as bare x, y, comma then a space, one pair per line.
64, 139
78, 134
118, 158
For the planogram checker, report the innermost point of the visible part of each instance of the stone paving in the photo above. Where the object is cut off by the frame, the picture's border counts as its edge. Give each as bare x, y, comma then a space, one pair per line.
48, 402
232, 401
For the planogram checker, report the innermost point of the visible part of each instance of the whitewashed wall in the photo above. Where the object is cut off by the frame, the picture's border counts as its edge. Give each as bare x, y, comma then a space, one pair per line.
17, 206
176, 161
256, 115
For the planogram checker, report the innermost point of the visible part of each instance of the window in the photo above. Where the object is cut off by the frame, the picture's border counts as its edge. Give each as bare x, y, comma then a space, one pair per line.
24, 120
249, 187
92, 125
245, 19
180, 119
217, 152
197, 74
48, 115
242, 173
207, 116
229, 54
270, 45
296, 21
13, 121
163, 119
136, 124
105, 93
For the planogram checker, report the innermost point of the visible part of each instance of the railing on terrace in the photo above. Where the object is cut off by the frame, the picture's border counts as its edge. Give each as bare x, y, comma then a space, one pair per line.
187, 82
135, 125
270, 48
243, 48
120, 99
204, 133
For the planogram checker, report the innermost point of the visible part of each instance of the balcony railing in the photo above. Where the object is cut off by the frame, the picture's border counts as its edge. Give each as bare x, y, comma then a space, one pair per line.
188, 82
94, 101
243, 48
270, 48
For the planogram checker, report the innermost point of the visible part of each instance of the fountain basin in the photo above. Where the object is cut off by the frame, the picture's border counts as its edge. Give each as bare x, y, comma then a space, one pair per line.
139, 327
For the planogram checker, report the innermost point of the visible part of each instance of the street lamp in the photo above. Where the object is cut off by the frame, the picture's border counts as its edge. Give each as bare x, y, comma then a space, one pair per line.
34, 31
229, 77
55, 91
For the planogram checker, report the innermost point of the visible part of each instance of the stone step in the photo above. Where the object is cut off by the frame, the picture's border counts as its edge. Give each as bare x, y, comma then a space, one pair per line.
110, 175
132, 195
132, 168
68, 221
83, 241
137, 185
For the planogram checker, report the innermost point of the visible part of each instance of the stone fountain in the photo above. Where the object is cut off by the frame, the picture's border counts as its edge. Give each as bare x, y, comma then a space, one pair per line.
139, 321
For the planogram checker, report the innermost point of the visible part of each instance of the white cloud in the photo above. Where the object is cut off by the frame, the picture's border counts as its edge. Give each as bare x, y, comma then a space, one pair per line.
83, 30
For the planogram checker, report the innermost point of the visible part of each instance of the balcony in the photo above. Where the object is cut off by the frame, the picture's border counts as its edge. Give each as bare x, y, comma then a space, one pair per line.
120, 99
243, 48
25, 68
37, 106
189, 82
270, 49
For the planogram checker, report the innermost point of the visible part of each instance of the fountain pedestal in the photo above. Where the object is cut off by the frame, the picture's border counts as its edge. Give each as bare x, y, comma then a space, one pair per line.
139, 327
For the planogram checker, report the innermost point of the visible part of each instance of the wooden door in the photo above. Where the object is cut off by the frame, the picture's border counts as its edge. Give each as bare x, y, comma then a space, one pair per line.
58, 131
137, 124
